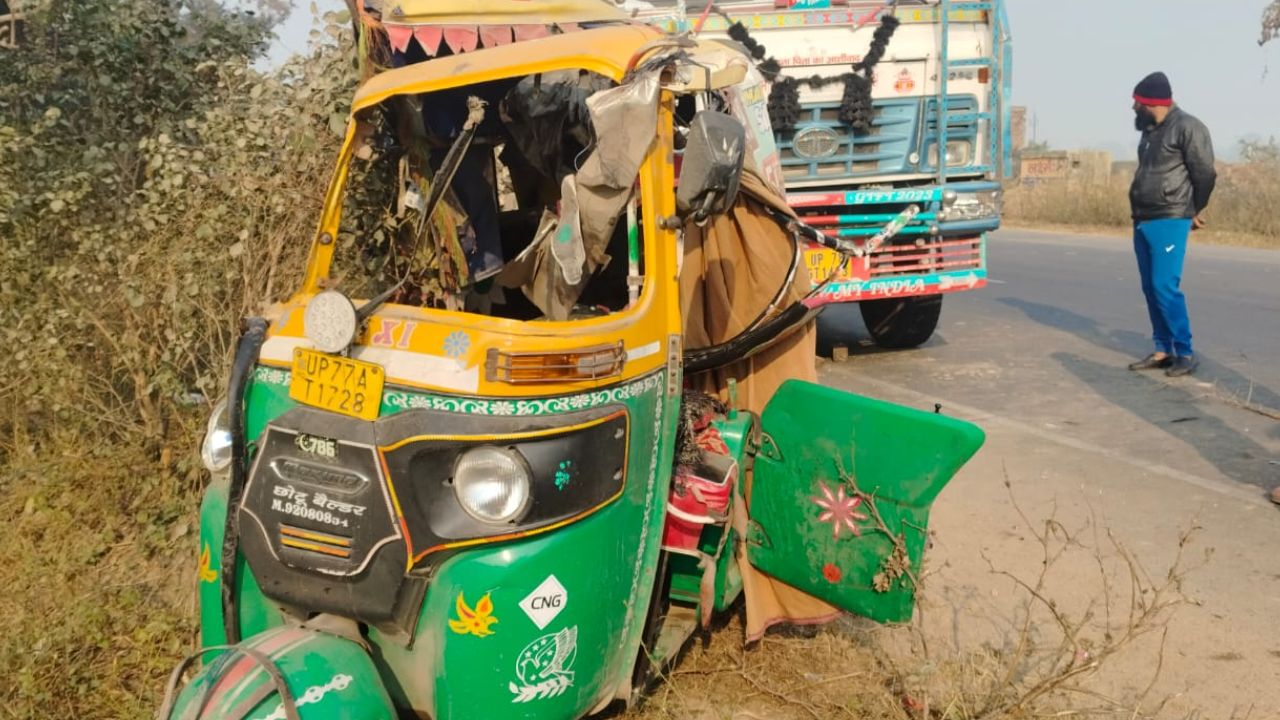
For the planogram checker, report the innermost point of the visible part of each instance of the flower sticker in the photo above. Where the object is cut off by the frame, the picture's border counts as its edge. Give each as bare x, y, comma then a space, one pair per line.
840, 510
832, 573
457, 344
473, 621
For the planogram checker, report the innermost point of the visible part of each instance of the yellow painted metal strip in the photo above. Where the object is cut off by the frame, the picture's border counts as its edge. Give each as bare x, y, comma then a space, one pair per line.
318, 537
314, 547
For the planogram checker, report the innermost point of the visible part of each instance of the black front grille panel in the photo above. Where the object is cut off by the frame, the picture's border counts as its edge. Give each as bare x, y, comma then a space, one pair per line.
319, 526
574, 471
318, 529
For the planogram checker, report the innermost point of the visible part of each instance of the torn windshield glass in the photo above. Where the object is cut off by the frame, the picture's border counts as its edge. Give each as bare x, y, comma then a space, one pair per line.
532, 219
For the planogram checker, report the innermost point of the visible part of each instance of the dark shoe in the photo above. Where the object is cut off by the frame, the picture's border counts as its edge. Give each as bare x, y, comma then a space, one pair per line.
1183, 365
1150, 362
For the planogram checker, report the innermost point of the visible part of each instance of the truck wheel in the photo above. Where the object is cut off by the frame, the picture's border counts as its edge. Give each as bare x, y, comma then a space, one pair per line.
902, 323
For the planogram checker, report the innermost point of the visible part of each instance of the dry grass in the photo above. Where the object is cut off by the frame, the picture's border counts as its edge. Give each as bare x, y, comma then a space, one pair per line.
1053, 659
96, 561
1242, 212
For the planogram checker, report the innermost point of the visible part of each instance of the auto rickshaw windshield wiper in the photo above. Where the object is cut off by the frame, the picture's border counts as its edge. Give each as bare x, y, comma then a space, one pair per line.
440, 183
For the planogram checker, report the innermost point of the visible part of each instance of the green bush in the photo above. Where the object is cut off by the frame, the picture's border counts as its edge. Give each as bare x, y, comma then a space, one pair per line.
154, 188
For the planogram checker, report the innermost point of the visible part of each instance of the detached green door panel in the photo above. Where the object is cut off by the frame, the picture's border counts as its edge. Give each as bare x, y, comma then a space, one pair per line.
841, 495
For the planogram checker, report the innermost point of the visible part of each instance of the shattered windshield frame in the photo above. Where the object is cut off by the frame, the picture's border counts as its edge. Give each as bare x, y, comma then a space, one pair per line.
564, 226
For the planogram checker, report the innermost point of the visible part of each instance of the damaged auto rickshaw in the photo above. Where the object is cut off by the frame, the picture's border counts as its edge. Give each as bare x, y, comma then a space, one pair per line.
502, 455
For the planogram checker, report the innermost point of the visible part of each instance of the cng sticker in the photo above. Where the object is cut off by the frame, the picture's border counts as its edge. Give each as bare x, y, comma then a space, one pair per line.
545, 602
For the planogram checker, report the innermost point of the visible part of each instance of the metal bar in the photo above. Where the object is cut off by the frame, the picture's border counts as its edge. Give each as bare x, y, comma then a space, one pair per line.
969, 254
634, 280
868, 232
944, 70
1005, 89
881, 218
863, 197
967, 118
994, 101
880, 139
929, 266
908, 251
969, 242
847, 158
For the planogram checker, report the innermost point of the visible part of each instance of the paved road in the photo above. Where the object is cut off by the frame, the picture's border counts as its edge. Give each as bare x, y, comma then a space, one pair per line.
1038, 359
1046, 343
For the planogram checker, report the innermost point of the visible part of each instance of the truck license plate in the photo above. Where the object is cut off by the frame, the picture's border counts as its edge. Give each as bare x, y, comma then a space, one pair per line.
337, 384
822, 263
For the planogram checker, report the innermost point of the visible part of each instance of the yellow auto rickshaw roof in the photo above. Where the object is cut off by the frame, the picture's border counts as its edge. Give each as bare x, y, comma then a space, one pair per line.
499, 12
605, 50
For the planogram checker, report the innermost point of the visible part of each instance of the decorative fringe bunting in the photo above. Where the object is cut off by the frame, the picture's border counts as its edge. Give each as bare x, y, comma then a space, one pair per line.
464, 38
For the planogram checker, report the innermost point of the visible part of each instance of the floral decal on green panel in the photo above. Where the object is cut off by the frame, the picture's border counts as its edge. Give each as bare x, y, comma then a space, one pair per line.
396, 400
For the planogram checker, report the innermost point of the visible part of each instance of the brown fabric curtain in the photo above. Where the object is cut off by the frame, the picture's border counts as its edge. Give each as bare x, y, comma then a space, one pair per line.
732, 269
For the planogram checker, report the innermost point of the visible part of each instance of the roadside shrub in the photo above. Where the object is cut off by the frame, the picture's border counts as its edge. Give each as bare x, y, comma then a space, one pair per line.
154, 187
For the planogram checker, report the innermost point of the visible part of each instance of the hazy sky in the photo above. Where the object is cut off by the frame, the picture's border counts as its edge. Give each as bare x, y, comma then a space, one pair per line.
1076, 62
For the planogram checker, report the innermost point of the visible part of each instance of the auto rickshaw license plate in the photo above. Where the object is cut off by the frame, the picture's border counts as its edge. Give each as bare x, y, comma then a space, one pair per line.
822, 263
337, 384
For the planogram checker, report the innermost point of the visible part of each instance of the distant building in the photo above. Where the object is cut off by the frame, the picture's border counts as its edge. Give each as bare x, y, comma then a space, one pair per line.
1018, 129
1087, 166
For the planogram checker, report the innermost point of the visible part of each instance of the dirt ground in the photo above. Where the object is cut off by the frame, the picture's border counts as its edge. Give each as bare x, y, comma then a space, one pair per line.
1125, 464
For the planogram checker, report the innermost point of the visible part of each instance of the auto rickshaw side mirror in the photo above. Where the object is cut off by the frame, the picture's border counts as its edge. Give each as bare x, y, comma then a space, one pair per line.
711, 170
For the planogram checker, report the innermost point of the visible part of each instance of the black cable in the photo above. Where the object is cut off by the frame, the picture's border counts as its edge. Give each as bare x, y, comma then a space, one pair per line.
253, 335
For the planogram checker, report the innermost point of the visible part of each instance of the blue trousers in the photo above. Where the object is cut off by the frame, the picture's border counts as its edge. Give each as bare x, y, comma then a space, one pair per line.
1161, 247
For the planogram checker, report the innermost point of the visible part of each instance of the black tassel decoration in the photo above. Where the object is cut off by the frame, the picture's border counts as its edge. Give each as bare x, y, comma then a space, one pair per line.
784, 104
857, 107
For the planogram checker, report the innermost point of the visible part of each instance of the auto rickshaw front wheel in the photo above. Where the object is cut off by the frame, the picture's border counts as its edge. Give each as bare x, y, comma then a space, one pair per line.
902, 323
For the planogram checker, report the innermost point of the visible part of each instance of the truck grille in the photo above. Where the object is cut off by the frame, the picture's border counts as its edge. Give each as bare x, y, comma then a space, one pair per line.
884, 149
931, 255
892, 147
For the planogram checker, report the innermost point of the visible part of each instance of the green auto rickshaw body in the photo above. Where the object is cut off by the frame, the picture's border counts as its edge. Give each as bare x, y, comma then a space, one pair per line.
567, 606
328, 515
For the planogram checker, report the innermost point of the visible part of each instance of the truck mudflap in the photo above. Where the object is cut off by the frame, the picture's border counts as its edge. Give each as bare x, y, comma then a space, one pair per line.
290, 673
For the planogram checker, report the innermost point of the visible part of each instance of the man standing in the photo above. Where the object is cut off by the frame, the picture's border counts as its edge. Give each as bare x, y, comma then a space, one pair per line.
1169, 194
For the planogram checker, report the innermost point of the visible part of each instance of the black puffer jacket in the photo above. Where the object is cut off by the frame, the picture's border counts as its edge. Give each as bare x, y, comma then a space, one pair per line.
1175, 169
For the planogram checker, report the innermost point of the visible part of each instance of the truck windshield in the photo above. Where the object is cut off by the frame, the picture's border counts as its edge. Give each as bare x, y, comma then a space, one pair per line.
499, 162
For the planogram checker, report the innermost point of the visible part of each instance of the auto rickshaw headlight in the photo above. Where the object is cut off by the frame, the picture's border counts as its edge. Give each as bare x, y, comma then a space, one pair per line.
492, 484
216, 449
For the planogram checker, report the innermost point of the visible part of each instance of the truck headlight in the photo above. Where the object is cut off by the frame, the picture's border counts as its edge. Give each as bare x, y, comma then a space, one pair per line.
959, 153
975, 206
492, 484
215, 451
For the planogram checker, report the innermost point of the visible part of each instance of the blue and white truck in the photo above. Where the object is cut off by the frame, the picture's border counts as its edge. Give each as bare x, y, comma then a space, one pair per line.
927, 124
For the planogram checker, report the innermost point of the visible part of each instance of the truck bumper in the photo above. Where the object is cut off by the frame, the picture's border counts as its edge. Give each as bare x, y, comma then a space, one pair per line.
942, 251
